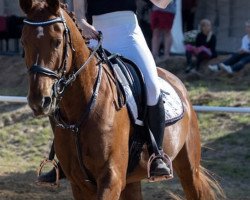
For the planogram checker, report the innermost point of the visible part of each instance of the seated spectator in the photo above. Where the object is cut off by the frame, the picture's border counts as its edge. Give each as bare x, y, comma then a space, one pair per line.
161, 25
238, 60
204, 47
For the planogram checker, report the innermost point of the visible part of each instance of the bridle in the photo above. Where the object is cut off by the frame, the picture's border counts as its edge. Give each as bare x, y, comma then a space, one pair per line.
60, 74
63, 80
67, 38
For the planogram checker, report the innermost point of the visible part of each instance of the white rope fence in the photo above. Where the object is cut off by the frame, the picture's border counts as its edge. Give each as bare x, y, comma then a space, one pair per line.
15, 99
222, 109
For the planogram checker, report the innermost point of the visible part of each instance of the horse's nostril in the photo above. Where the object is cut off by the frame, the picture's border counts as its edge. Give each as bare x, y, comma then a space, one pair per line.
46, 102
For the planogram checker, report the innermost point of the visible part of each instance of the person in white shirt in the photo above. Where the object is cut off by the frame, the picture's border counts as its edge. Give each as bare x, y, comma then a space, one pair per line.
238, 60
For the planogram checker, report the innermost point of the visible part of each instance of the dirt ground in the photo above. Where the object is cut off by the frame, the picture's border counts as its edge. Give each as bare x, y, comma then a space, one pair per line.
18, 170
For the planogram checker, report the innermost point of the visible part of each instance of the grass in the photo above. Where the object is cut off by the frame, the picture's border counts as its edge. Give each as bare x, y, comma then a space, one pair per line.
25, 143
225, 136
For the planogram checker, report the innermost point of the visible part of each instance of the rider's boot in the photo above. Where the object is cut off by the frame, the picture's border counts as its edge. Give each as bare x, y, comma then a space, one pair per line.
50, 177
156, 122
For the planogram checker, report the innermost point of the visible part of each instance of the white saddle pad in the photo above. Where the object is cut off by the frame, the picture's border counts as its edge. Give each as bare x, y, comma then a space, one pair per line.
172, 103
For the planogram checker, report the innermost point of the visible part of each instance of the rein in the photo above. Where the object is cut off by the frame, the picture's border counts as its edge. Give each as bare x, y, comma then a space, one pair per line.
62, 82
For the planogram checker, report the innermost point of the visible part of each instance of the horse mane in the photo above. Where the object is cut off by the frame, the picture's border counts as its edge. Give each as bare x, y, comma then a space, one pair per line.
72, 15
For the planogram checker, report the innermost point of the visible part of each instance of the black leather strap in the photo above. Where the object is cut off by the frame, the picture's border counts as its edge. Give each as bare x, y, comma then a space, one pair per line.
36, 69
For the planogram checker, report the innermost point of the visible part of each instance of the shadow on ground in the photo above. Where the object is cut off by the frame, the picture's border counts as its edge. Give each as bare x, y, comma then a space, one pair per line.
229, 159
20, 186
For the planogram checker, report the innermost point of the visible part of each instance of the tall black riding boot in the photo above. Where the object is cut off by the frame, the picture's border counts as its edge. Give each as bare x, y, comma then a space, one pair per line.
156, 122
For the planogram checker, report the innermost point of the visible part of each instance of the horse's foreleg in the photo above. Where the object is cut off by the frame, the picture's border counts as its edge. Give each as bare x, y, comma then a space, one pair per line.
132, 191
82, 193
110, 184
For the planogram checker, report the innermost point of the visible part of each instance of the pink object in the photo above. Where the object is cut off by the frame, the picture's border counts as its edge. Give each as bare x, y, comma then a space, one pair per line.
3, 24
197, 50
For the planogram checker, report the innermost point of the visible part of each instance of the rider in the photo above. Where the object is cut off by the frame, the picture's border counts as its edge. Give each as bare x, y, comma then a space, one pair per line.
117, 21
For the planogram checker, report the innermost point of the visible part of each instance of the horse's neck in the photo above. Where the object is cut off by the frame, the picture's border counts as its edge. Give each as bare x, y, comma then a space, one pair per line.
79, 93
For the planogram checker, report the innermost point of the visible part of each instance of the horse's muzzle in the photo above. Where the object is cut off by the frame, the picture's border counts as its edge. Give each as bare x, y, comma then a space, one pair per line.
44, 107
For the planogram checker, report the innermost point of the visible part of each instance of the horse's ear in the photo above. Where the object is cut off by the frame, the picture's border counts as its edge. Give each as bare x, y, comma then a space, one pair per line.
54, 5
26, 5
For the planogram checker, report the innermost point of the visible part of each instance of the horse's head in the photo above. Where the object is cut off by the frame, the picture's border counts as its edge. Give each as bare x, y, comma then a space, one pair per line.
48, 51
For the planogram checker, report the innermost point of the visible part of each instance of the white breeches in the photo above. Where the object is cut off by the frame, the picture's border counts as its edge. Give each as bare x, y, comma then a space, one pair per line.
122, 34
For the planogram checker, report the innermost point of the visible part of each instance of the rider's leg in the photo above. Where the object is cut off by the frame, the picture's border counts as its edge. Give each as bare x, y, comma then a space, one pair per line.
133, 46
156, 122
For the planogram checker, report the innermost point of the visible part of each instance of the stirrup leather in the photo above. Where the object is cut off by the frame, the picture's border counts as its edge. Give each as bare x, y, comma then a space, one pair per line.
165, 159
39, 172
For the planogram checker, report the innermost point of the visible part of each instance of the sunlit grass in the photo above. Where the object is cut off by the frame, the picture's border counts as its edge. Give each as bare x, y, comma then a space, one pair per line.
25, 143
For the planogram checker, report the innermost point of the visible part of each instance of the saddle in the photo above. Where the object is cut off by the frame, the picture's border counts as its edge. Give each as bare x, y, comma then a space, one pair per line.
132, 86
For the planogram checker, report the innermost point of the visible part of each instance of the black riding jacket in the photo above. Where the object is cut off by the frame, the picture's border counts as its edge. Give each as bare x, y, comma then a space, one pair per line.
99, 7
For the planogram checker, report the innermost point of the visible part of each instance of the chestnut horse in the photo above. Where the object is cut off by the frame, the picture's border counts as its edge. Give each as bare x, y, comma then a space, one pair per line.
52, 52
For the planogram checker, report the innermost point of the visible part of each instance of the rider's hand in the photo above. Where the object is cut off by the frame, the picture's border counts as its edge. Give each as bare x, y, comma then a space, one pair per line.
88, 31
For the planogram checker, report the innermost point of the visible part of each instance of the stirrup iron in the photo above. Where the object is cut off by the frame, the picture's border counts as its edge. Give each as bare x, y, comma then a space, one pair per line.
54, 163
165, 158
